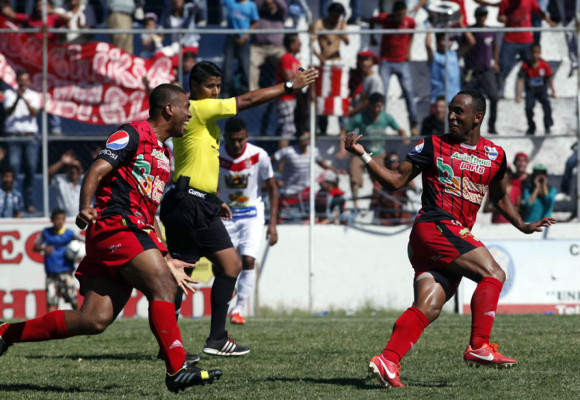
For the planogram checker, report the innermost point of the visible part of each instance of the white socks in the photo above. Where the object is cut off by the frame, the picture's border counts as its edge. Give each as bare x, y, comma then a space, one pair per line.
246, 284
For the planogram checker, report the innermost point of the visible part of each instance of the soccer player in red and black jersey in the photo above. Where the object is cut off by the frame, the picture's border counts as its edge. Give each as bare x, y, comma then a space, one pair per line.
458, 169
123, 246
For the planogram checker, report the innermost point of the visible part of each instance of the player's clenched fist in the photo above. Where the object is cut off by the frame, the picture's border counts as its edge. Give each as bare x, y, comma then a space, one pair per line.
85, 217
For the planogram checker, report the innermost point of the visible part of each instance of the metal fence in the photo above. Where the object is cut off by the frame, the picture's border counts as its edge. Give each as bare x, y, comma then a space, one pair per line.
551, 149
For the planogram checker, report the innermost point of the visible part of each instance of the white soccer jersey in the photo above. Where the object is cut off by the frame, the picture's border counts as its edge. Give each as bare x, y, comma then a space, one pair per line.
240, 180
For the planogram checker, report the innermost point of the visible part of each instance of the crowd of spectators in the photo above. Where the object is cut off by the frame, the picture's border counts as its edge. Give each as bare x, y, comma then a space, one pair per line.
478, 60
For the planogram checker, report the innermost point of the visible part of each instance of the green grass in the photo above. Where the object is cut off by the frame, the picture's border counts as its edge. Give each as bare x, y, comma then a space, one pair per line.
297, 356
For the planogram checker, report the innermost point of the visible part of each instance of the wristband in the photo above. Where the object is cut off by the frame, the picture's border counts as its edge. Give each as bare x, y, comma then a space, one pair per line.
366, 157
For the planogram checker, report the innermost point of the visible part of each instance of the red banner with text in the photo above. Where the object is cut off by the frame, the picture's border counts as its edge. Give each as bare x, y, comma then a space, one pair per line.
96, 82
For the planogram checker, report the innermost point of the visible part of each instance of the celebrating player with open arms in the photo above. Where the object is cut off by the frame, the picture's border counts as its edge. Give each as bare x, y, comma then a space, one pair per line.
123, 246
458, 169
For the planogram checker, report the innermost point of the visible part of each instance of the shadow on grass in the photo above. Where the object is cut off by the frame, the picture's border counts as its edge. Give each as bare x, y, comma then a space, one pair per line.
52, 389
368, 383
90, 357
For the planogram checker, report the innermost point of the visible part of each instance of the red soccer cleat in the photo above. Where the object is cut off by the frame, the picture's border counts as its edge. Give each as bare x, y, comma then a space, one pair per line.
237, 319
386, 371
488, 356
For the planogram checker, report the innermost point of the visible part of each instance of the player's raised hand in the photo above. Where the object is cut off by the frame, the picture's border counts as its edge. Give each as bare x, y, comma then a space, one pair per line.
351, 144
537, 226
304, 78
85, 217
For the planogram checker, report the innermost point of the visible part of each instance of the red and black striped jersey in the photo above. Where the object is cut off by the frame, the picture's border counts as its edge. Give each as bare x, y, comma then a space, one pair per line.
455, 177
141, 169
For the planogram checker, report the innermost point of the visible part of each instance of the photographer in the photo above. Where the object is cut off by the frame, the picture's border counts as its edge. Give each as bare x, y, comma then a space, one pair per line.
539, 197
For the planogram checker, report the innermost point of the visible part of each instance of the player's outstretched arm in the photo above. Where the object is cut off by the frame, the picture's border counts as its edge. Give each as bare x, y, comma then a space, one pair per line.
97, 172
389, 179
261, 96
498, 195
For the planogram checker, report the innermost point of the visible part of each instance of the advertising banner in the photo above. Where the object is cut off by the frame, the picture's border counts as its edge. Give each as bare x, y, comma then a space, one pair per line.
22, 277
96, 82
543, 276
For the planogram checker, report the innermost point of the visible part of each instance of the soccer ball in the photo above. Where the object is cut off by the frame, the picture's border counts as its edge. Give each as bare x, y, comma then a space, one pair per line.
75, 250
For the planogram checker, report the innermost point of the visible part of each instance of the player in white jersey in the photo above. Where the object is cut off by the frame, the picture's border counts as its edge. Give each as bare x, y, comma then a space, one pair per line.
243, 168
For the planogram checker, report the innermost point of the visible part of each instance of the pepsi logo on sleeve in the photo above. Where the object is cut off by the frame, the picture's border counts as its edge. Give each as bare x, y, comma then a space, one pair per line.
418, 147
118, 140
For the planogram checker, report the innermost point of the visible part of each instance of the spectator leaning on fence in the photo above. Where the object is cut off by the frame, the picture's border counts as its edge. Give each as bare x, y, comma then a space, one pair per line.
517, 14
269, 47
242, 14
444, 64
286, 105
482, 65
121, 17
395, 55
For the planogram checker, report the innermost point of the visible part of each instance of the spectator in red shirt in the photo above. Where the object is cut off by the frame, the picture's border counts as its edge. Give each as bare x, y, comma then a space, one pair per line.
537, 76
287, 68
517, 14
34, 20
396, 53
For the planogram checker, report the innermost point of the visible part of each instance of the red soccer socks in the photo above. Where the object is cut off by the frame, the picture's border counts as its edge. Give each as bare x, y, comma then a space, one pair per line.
47, 327
483, 307
164, 326
406, 331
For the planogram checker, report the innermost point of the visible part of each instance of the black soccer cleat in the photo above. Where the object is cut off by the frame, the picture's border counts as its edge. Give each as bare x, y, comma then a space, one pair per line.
190, 375
191, 358
225, 347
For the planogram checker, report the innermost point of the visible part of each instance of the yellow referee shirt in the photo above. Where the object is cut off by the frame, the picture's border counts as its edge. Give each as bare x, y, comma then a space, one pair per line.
196, 154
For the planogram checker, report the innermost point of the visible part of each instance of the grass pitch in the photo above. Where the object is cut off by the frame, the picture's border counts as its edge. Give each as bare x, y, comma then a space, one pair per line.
300, 356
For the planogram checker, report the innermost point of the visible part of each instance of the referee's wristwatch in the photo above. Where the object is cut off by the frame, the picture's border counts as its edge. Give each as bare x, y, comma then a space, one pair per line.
289, 87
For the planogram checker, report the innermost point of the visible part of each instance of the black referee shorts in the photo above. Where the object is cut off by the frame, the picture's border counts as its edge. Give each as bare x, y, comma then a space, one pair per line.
193, 227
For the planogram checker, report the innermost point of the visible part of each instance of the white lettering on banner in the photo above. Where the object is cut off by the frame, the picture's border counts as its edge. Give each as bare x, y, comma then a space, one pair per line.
563, 309
93, 82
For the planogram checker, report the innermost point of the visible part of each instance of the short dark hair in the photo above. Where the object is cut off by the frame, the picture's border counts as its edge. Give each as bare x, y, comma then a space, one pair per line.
6, 170
477, 100
337, 8
189, 54
375, 97
162, 95
440, 98
234, 124
55, 212
202, 70
399, 5
21, 72
289, 40
534, 45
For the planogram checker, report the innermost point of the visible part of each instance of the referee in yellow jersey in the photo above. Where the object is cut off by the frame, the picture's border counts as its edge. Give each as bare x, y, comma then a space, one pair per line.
191, 210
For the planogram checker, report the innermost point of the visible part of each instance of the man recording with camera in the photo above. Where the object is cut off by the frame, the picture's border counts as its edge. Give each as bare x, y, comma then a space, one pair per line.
539, 197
